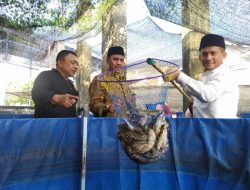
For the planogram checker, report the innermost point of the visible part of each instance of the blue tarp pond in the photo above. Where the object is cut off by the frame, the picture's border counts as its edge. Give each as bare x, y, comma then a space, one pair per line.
39, 154
47, 154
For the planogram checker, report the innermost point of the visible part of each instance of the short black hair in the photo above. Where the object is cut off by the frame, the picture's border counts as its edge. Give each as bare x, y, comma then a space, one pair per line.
63, 53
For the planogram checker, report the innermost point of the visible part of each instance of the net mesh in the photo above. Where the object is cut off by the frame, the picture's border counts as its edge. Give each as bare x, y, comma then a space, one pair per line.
136, 92
30, 28
228, 18
138, 87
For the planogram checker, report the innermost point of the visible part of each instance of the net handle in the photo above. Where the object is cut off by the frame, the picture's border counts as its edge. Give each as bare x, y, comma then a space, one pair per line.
151, 62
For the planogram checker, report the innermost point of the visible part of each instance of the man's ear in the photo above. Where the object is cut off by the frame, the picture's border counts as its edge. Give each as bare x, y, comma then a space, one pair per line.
59, 63
225, 55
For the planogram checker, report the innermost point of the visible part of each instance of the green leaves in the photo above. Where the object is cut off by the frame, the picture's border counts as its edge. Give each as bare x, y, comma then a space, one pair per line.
36, 13
61, 19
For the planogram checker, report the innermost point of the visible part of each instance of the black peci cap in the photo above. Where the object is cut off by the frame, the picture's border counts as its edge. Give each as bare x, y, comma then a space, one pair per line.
115, 50
212, 40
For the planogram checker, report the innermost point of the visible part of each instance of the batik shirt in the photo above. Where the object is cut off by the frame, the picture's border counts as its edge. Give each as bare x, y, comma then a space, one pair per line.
109, 99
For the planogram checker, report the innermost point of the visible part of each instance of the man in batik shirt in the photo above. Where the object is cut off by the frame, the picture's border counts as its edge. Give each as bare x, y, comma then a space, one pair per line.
107, 98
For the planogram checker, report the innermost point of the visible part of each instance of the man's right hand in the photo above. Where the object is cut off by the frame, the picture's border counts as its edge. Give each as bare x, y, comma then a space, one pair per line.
171, 75
66, 100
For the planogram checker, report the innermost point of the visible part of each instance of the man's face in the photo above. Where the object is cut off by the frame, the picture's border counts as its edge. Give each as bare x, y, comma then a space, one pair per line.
115, 61
212, 57
68, 66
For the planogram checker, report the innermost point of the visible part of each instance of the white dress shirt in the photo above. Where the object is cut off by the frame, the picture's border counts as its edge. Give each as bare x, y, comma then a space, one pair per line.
215, 96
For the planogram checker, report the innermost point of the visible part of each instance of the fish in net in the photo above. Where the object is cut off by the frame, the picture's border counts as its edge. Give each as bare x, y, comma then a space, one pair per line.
142, 131
144, 139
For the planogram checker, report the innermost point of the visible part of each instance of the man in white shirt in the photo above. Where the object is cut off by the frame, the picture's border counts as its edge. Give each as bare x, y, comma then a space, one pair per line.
217, 94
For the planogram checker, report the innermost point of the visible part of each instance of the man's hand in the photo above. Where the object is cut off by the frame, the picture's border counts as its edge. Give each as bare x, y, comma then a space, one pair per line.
170, 74
66, 100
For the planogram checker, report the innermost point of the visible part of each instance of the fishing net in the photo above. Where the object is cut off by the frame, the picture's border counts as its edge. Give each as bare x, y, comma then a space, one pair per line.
138, 87
138, 93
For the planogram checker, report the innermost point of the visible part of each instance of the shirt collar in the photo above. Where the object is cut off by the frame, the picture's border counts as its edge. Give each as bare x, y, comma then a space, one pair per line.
218, 69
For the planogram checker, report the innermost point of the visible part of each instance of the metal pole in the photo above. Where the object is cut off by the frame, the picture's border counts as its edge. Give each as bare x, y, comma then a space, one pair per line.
151, 62
84, 150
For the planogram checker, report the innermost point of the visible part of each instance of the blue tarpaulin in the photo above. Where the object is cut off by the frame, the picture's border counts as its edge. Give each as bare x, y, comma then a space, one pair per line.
203, 154
245, 115
40, 154
46, 154
15, 116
